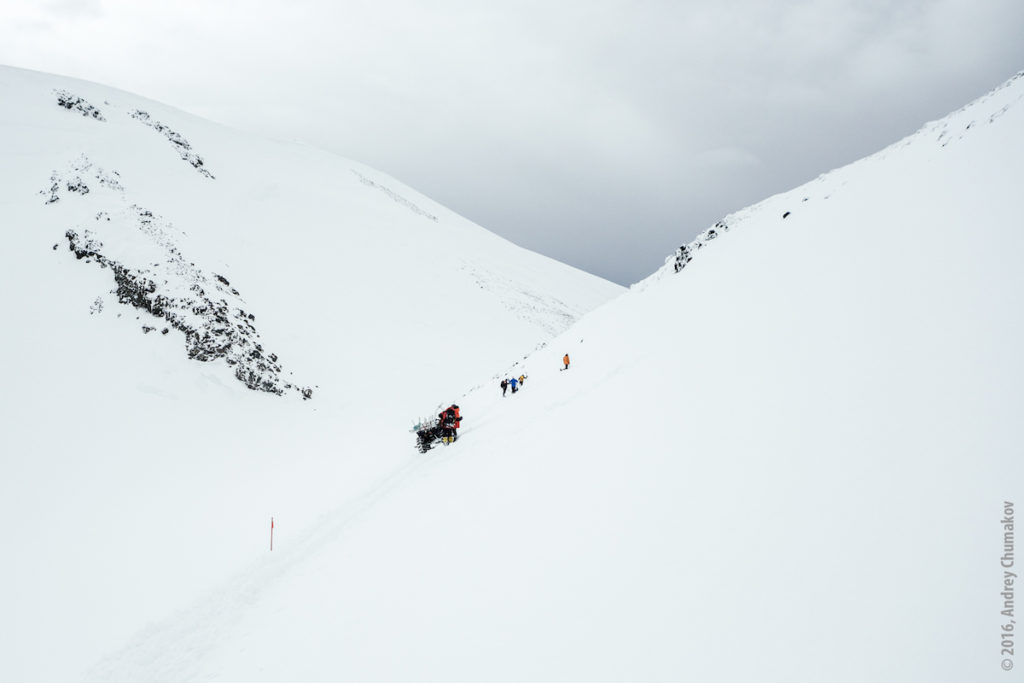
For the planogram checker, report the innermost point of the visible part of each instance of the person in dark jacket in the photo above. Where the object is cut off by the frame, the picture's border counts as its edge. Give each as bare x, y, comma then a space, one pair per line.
504, 386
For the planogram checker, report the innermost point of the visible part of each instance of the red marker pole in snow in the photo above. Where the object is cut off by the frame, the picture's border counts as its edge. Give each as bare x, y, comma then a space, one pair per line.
271, 534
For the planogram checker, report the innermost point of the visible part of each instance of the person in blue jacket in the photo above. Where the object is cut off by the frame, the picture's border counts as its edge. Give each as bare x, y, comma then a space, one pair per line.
514, 383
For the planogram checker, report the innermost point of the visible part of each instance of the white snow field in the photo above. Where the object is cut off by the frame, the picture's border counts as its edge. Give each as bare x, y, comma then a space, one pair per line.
789, 461
135, 478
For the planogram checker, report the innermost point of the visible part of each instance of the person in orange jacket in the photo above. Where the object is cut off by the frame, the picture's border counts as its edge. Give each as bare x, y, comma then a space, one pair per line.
449, 421
565, 359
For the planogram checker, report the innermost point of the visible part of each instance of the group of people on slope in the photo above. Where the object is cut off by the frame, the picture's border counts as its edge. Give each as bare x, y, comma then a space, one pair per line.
450, 419
513, 383
516, 382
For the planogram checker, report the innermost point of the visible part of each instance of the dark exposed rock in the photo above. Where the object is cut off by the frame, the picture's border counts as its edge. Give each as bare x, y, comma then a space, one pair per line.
77, 185
213, 329
54, 189
73, 180
75, 103
684, 254
176, 139
205, 308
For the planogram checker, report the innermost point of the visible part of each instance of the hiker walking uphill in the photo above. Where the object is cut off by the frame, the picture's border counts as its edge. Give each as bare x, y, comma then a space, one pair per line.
504, 386
514, 383
449, 420
565, 359
444, 429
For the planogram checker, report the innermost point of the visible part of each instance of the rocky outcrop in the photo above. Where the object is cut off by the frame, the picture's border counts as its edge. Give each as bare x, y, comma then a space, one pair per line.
684, 254
73, 102
176, 139
152, 275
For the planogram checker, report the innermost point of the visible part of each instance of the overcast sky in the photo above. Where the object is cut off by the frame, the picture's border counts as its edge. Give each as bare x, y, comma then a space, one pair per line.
603, 133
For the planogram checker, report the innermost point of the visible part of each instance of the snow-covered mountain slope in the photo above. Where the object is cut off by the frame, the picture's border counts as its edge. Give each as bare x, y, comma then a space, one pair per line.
183, 213
790, 461
174, 290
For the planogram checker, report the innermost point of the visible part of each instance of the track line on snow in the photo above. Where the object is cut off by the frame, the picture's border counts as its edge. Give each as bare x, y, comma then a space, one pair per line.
174, 649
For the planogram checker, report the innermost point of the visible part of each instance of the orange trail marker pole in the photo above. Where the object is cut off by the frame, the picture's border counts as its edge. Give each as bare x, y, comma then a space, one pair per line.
271, 534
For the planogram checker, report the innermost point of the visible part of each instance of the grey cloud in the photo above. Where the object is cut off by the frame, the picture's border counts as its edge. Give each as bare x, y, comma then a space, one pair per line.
601, 133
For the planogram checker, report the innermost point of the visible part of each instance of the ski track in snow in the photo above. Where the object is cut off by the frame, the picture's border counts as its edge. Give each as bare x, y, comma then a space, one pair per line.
395, 196
175, 649
551, 314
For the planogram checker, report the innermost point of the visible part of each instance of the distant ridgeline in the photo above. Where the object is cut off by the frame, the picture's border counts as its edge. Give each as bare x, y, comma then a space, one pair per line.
204, 306
950, 129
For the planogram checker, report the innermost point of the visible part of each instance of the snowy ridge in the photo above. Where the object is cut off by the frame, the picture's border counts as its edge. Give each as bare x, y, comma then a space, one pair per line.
988, 108
951, 128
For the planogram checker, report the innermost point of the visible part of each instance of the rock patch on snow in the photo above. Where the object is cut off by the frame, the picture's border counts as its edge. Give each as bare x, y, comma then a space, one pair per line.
205, 307
71, 180
213, 328
179, 142
684, 254
73, 102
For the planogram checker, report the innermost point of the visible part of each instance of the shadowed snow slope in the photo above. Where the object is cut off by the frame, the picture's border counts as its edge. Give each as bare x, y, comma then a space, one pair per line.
788, 461
174, 292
